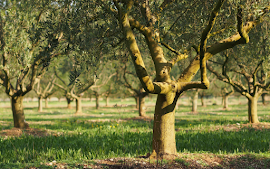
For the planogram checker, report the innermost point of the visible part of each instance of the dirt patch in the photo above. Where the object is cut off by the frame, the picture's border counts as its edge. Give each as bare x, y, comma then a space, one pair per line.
185, 161
16, 132
40, 122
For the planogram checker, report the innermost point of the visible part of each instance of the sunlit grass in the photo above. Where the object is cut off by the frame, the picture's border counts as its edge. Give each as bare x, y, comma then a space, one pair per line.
111, 132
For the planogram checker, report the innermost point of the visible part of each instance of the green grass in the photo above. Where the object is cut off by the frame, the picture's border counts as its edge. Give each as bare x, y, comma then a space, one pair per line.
110, 132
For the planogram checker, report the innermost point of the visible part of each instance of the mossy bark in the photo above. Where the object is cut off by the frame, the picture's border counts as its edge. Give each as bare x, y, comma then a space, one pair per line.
18, 113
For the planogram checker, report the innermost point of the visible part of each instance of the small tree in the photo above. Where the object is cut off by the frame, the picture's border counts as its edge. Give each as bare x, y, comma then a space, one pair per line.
44, 89
252, 80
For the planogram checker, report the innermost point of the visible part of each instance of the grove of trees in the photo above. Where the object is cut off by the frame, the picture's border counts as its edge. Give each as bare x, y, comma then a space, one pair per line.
86, 45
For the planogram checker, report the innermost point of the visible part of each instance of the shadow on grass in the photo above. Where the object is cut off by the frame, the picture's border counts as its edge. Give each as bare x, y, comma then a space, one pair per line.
80, 124
118, 142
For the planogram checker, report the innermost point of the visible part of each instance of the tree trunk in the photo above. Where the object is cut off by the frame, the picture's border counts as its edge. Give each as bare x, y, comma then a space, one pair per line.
263, 98
107, 101
78, 105
97, 100
202, 101
252, 110
142, 106
225, 102
164, 131
46, 103
69, 103
18, 113
195, 101
40, 103
137, 102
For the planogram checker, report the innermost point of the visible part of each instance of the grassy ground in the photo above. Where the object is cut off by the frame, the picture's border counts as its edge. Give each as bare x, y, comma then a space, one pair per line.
114, 137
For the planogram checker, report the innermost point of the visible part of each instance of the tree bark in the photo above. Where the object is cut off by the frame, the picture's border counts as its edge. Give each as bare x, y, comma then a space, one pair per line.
225, 102
40, 103
97, 100
78, 105
202, 101
137, 102
18, 113
69, 103
107, 101
142, 106
252, 110
263, 98
164, 131
46, 103
195, 101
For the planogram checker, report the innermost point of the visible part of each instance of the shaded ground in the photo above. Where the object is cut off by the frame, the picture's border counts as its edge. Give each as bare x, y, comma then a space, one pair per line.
185, 160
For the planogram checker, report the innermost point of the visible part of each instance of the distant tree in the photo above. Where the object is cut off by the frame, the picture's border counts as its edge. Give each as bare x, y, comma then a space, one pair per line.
44, 89
225, 96
251, 64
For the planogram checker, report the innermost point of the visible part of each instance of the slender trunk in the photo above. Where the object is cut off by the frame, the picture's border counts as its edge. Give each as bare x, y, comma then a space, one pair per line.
195, 101
97, 101
252, 110
18, 113
78, 105
202, 101
107, 101
69, 102
263, 98
142, 106
46, 103
137, 100
164, 145
40, 103
225, 102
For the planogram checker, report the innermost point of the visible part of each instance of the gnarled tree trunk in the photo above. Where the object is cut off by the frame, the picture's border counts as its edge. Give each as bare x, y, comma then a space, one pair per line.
252, 110
164, 131
18, 113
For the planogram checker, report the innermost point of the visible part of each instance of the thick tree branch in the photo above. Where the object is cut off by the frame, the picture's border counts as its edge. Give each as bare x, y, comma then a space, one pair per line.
240, 29
134, 50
